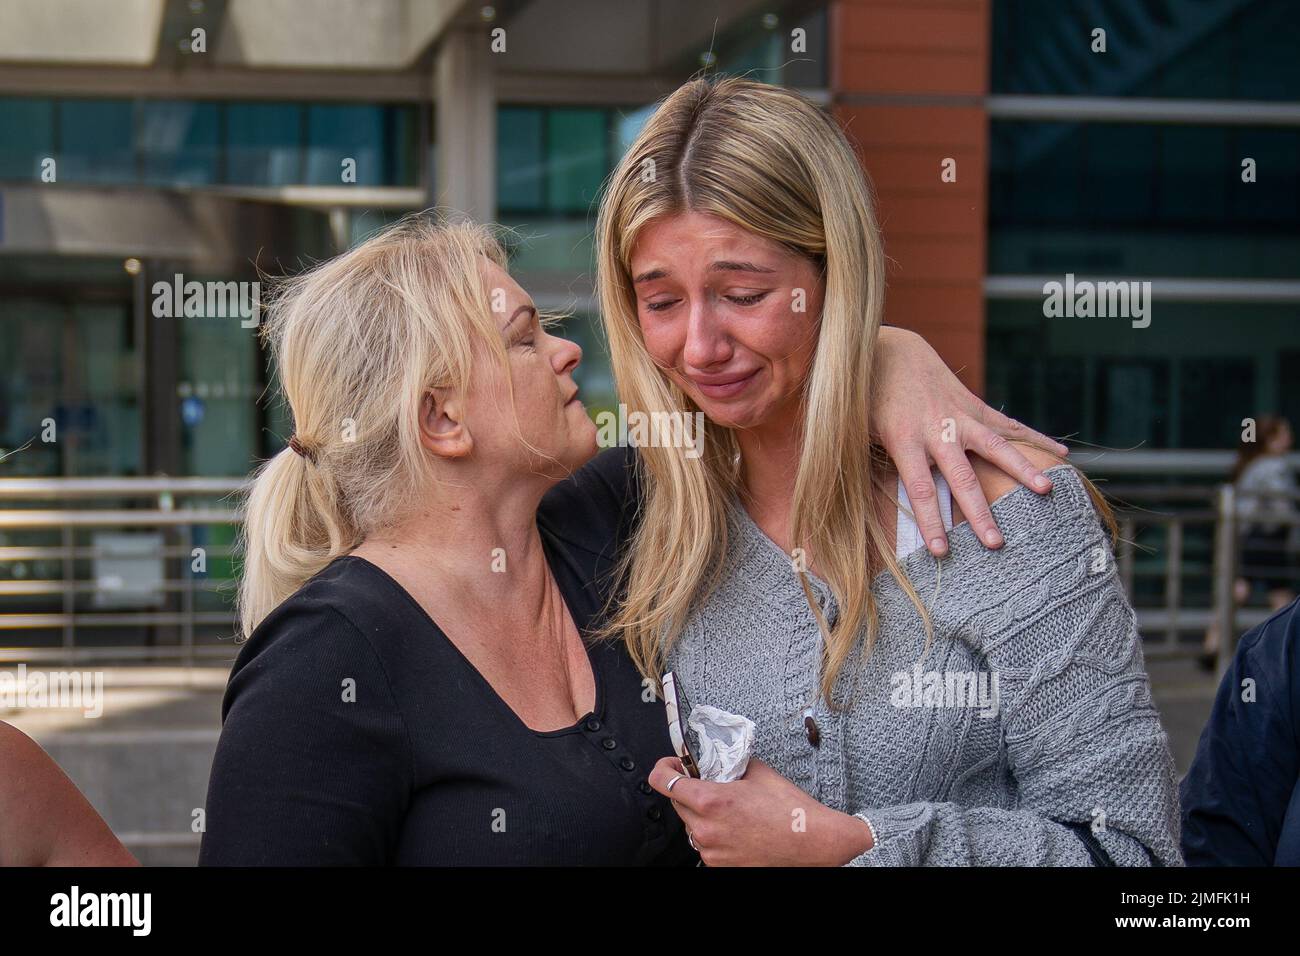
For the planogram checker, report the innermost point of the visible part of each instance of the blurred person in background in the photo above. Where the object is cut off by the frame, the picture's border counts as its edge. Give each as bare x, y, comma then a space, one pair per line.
1268, 517
1267, 510
44, 819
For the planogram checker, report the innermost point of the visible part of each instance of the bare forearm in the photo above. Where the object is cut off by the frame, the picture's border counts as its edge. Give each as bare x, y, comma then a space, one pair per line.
44, 819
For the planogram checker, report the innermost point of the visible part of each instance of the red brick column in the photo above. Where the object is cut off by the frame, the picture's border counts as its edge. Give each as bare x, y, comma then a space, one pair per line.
907, 78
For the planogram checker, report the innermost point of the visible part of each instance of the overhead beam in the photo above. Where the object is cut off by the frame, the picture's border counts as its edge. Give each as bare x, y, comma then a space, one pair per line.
123, 32
245, 34
218, 83
336, 34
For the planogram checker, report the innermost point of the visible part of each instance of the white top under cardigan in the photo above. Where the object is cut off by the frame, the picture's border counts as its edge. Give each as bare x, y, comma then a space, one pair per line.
908, 537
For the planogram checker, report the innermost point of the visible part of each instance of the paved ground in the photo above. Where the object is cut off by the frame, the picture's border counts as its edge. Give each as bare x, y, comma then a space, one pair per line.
144, 763
1184, 693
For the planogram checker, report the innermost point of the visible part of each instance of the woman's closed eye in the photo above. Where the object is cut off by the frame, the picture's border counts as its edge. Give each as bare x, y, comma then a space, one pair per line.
741, 299
750, 298
526, 338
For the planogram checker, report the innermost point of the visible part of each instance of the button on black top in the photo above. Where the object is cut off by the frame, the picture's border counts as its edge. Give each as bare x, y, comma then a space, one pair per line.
609, 743
654, 813
644, 787
627, 763
592, 724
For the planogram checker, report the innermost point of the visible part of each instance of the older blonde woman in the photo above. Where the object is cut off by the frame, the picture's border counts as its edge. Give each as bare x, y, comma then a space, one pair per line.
416, 688
742, 274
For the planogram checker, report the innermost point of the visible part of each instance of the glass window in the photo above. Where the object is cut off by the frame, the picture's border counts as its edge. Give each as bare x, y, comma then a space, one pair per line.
1212, 393
1062, 381
1207, 49
762, 47
401, 145
627, 127
1132, 403
1190, 186
31, 384
339, 133
1120, 168
264, 143
1185, 381
1277, 157
1286, 370
77, 364
217, 395
167, 142
96, 141
26, 136
1132, 199
520, 145
552, 161
179, 142
577, 158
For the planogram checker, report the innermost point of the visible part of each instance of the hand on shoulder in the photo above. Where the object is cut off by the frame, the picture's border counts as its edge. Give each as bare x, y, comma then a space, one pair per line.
995, 482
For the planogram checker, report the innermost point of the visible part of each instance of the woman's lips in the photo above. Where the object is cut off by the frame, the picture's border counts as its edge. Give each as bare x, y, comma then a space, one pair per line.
725, 389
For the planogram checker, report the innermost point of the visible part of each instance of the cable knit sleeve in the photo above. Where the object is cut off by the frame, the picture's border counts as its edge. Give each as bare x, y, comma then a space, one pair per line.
1094, 780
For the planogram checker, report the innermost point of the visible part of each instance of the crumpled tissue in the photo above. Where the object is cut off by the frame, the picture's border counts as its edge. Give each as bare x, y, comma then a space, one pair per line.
725, 742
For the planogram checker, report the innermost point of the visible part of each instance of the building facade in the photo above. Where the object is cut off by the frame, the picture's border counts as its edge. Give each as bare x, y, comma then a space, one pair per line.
1012, 144
1009, 146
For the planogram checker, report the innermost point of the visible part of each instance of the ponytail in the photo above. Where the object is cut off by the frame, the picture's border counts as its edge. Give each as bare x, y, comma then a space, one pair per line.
357, 341
293, 528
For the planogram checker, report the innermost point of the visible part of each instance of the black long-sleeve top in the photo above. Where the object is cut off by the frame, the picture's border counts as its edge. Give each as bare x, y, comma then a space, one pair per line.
355, 732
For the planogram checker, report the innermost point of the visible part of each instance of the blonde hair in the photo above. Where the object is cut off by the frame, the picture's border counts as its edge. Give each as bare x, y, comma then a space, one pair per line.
772, 163
357, 342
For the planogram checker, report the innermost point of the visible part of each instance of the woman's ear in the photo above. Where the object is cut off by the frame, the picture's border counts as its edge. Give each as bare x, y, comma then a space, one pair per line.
442, 427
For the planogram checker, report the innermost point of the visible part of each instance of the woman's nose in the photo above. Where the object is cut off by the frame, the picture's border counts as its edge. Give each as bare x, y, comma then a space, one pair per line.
706, 341
566, 356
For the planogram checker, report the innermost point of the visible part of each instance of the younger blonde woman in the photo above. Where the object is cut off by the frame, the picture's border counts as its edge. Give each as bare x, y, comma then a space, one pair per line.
991, 709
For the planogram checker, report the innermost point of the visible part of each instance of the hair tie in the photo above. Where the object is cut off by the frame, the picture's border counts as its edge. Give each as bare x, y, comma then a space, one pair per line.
296, 444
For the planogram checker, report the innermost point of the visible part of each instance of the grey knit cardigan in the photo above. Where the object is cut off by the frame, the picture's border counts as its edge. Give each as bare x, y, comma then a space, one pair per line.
1066, 764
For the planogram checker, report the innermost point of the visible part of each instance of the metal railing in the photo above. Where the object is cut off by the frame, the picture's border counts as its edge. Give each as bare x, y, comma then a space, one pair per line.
155, 524
1176, 555
1170, 537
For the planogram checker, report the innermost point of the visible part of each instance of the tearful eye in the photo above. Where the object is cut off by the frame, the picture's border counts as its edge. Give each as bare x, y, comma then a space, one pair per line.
753, 299
660, 306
